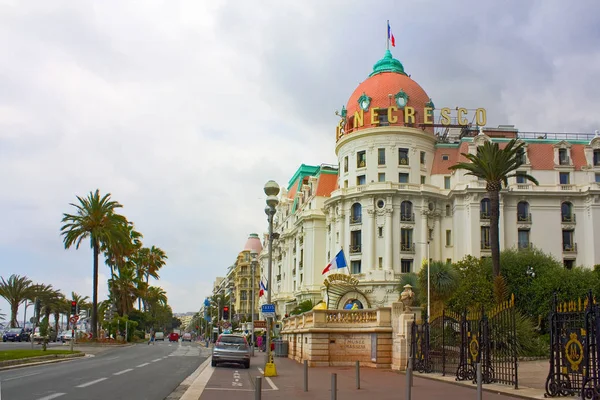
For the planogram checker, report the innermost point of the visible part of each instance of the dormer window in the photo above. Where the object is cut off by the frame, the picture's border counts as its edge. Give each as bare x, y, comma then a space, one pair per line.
402, 156
563, 157
361, 159
596, 157
522, 156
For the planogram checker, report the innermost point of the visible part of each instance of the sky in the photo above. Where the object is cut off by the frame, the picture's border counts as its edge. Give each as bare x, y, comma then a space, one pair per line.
182, 110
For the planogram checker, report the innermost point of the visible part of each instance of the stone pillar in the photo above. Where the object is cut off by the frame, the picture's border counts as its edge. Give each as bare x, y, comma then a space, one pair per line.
341, 229
389, 242
369, 234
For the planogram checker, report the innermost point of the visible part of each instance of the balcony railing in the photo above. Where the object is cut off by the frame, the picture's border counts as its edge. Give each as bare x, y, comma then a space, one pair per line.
407, 217
279, 278
524, 218
525, 245
300, 264
567, 186
568, 218
484, 215
564, 161
381, 161
356, 219
301, 240
486, 246
407, 247
403, 161
569, 247
354, 248
294, 271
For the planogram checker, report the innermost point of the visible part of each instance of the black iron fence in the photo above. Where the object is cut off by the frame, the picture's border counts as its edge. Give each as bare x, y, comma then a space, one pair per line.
452, 343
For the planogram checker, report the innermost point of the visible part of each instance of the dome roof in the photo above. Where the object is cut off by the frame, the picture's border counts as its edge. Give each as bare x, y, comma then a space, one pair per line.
253, 243
385, 85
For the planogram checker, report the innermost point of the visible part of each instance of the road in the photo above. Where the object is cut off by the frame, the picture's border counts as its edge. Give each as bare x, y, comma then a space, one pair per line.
136, 372
27, 345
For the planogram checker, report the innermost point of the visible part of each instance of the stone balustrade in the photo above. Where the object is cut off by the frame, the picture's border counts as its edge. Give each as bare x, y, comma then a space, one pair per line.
334, 319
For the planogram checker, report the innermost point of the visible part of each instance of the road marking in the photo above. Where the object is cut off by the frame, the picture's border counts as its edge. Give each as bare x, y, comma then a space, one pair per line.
268, 380
112, 358
199, 383
142, 365
123, 372
90, 383
20, 376
52, 396
158, 359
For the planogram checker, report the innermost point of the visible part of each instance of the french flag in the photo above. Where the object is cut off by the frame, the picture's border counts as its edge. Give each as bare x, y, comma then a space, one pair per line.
262, 289
339, 261
391, 35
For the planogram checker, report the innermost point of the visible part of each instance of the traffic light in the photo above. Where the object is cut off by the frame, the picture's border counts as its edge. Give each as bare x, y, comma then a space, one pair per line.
73, 307
226, 313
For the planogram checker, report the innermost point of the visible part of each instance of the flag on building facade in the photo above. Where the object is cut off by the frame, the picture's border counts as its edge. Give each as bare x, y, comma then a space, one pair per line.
339, 261
391, 35
262, 288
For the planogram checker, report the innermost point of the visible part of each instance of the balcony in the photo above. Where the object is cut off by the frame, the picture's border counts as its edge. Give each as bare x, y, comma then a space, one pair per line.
407, 217
564, 161
568, 218
484, 215
523, 186
407, 248
403, 160
524, 218
279, 278
356, 219
486, 246
355, 249
301, 240
525, 246
300, 265
567, 187
294, 271
569, 247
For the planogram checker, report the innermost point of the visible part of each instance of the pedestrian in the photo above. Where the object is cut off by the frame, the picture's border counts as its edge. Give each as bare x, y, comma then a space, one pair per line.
151, 340
259, 342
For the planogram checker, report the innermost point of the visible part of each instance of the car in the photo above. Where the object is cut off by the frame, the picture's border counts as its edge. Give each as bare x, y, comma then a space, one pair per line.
187, 337
174, 337
52, 335
231, 348
65, 336
15, 335
159, 336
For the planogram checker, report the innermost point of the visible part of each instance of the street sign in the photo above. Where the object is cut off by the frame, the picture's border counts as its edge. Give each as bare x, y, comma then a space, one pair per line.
268, 310
260, 324
74, 319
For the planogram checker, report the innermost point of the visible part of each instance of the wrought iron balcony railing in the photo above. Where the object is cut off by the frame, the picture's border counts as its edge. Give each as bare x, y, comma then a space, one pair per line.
524, 218
569, 247
357, 219
407, 247
486, 245
484, 215
525, 245
407, 217
568, 218
355, 248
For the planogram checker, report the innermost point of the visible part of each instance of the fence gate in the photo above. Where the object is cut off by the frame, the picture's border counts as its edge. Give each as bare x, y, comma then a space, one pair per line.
453, 343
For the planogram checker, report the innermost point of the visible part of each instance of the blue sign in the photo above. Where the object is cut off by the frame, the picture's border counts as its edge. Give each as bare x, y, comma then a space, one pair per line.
268, 308
206, 303
207, 318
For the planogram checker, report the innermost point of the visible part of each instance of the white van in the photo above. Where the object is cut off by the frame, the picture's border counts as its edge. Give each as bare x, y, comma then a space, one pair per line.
159, 336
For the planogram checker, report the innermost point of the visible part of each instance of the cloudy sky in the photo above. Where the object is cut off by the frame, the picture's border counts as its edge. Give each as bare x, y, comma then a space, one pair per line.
182, 110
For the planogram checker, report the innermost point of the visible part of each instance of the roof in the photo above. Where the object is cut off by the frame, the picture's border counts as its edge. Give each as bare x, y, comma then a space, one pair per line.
253, 243
326, 184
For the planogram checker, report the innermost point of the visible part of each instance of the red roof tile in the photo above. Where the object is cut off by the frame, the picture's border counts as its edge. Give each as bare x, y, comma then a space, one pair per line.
327, 183
578, 156
541, 156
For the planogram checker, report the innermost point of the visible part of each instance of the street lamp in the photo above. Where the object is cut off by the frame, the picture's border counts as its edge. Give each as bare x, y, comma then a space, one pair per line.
428, 281
253, 256
271, 190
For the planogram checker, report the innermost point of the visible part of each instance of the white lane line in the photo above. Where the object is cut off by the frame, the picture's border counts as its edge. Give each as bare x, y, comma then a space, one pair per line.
123, 372
90, 383
52, 396
268, 380
108, 359
142, 365
20, 376
158, 359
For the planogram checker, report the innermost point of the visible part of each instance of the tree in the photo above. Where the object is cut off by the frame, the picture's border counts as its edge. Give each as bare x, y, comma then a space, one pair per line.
15, 291
495, 166
443, 281
95, 218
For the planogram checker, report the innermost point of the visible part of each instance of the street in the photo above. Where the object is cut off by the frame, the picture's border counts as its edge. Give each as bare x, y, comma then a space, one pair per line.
136, 372
27, 345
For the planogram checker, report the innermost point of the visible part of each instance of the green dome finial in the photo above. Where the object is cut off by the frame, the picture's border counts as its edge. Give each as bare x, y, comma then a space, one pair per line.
388, 64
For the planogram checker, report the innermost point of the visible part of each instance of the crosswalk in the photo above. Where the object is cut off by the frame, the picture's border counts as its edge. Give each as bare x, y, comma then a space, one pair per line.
186, 351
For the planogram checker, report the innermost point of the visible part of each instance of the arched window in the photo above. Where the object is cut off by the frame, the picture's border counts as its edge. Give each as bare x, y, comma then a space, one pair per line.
406, 211
523, 212
484, 209
356, 214
566, 211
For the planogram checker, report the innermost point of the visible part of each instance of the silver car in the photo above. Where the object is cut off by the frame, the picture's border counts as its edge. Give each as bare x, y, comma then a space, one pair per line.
231, 349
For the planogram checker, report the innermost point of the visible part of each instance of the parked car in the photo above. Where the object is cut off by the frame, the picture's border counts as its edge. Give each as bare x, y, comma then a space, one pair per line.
159, 336
15, 335
231, 349
174, 337
65, 336
187, 337
52, 335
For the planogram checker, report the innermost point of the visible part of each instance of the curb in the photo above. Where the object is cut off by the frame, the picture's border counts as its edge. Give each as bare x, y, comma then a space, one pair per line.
198, 382
67, 357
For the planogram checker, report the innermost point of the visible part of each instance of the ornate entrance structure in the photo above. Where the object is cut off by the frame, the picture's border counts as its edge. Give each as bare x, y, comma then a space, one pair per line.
342, 293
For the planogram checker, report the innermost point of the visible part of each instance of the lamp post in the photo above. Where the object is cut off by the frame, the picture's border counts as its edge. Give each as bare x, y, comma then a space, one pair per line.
27, 304
428, 281
253, 255
271, 190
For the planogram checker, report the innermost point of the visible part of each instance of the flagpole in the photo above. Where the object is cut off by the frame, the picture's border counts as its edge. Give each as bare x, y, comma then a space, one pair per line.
387, 35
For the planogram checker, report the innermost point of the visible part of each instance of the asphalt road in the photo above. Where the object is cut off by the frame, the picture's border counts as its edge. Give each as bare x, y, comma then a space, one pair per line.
27, 345
136, 372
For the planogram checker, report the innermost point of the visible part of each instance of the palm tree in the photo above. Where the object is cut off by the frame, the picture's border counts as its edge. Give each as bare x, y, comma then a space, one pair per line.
148, 262
15, 291
495, 166
118, 253
123, 290
96, 219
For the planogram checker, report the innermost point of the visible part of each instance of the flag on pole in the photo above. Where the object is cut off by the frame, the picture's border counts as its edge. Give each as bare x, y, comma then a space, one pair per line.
339, 261
262, 288
391, 35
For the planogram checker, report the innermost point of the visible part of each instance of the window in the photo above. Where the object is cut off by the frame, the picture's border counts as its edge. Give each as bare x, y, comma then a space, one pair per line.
445, 157
356, 213
597, 178
346, 164
361, 159
563, 158
355, 241
301, 277
568, 240
484, 209
380, 231
524, 239
361, 180
564, 178
406, 266
422, 158
380, 203
521, 177
448, 237
448, 210
521, 156
382, 115
346, 184
423, 179
402, 156
566, 211
430, 234
446, 182
380, 262
596, 157
380, 156
406, 211
406, 240
569, 264
381, 177
355, 266
448, 261
485, 238
523, 212
403, 177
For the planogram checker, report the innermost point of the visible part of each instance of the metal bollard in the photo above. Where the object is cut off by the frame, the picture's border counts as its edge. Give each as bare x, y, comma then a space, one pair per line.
333, 386
358, 374
306, 375
409, 381
410, 365
258, 388
479, 382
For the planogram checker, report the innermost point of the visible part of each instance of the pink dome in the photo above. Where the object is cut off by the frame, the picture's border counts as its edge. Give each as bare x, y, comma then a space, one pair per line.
253, 243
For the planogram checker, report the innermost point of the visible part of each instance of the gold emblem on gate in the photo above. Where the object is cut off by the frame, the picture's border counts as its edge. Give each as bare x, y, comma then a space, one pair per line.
574, 352
474, 347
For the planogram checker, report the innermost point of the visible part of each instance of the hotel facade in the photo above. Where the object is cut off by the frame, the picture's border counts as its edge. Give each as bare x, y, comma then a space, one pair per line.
392, 200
